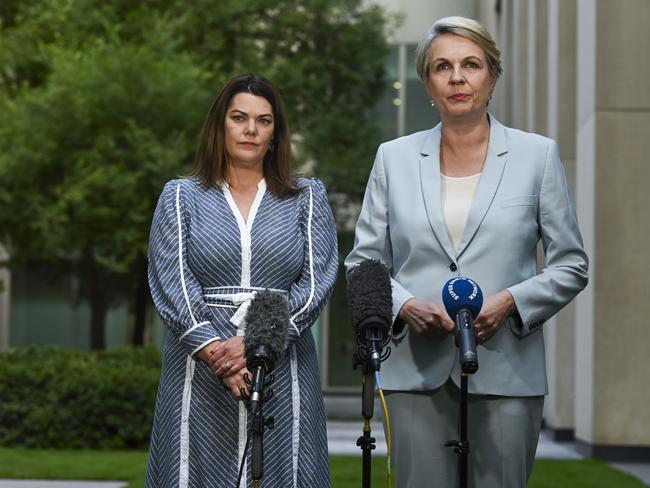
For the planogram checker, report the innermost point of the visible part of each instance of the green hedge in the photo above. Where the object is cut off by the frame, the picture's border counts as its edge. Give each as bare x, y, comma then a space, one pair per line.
60, 398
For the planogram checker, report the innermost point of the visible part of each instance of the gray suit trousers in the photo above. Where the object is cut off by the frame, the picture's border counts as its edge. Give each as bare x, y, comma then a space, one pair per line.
503, 433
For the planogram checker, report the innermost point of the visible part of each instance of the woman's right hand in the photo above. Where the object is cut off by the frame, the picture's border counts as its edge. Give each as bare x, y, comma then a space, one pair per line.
234, 379
427, 318
227, 357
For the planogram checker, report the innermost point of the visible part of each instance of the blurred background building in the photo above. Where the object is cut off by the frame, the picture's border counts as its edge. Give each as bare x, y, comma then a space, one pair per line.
574, 70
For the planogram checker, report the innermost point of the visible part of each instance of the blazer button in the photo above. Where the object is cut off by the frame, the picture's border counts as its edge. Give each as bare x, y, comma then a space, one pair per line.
453, 267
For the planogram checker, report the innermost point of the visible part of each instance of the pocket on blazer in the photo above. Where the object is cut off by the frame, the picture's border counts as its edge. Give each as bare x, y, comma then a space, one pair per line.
520, 201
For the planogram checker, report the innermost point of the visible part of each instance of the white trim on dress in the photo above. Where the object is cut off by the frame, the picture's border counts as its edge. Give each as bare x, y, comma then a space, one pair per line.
184, 468
311, 263
184, 465
295, 385
193, 328
180, 251
295, 406
245, 228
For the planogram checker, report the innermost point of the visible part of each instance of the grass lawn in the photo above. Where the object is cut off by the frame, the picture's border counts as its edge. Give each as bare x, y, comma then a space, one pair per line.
346, 470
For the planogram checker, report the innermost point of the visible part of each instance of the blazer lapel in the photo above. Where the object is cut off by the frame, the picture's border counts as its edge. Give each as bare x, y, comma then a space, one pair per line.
430, 183
495, 162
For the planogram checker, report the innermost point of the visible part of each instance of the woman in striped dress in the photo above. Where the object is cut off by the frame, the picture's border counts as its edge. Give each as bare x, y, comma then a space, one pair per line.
238, 225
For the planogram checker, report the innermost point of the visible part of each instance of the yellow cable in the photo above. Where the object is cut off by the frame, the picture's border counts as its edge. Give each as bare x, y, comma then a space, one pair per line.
387, 429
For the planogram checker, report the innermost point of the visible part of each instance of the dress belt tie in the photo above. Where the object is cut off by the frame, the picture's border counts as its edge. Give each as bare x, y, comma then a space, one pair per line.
243, 301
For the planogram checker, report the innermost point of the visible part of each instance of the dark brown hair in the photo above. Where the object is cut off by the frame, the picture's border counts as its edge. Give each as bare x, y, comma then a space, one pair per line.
211, 162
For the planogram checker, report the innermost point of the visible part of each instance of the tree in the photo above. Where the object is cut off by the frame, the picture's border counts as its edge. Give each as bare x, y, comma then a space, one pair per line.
84, 155
101, 102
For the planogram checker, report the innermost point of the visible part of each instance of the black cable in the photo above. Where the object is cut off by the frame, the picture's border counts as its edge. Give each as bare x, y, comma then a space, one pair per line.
243, 461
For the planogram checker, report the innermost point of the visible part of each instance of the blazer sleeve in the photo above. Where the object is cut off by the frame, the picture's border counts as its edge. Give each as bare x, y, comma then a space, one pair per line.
309, 294
565, 274
372, 237
176, 293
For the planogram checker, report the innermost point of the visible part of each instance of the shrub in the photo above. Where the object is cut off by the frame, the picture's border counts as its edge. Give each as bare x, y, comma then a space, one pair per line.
59, 398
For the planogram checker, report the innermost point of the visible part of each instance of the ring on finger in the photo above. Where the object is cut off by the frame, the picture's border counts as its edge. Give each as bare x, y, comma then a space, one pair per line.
227, 365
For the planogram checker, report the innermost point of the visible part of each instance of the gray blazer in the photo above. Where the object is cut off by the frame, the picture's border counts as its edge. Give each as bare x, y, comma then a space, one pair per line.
522, 197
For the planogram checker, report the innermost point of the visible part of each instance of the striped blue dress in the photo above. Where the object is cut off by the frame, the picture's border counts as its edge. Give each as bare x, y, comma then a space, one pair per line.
205, 264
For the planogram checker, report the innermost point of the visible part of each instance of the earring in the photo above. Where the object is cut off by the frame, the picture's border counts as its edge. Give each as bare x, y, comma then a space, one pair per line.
432, 104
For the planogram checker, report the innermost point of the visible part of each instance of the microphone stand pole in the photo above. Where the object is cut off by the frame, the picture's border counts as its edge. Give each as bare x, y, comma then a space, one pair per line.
461, 446
257, 448
466, 342
366, 442
258, 422
369, 357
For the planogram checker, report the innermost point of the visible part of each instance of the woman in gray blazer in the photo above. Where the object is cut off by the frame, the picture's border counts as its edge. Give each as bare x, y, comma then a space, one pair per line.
469, 197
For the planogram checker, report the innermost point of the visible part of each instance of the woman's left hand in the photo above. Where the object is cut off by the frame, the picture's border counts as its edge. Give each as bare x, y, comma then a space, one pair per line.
236, 383
227, 358
496, 309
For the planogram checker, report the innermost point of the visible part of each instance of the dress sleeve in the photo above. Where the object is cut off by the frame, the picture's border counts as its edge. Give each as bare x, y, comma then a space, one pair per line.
308, 295
565, 275
176, 293
372, 237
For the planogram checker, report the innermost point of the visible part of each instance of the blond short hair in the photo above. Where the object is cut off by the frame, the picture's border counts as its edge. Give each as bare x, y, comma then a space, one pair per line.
461, 26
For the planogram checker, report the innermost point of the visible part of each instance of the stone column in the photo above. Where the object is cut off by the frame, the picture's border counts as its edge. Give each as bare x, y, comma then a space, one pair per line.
493, 14
518, 67
538, 14
613, 143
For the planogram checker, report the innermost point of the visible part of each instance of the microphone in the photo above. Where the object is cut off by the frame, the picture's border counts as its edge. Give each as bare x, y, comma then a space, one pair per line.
463, 300
371, 303
267, 322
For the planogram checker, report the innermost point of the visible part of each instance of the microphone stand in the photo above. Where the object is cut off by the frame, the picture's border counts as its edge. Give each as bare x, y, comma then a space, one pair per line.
258, 422
366, 442
465, 336
369, 357
461, 446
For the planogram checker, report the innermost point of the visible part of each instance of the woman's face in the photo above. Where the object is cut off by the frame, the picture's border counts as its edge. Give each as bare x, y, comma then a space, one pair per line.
459, 82
248, 129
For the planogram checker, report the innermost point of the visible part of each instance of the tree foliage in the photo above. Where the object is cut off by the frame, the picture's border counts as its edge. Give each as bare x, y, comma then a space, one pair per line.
102, 101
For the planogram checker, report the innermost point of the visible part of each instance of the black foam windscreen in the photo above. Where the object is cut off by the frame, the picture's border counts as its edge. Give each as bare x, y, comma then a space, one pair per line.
370, 296
267, 323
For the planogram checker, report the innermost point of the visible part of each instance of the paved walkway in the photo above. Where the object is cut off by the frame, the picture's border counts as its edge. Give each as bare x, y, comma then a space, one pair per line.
342, 437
